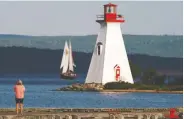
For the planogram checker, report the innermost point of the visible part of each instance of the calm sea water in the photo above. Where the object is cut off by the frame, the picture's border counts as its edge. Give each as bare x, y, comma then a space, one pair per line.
39, 94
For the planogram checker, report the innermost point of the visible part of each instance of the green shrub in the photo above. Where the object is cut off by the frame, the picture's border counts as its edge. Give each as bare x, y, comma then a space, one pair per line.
123, 85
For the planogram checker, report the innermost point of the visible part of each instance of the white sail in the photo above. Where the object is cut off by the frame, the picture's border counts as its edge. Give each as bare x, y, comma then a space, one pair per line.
65, 58
72, 55
71, 62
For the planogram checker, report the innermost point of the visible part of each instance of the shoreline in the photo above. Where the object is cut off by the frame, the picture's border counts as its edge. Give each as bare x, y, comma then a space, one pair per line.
128, 91
100, 88
144, 91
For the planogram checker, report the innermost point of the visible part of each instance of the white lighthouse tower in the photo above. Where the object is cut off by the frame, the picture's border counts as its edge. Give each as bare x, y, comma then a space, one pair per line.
109, 61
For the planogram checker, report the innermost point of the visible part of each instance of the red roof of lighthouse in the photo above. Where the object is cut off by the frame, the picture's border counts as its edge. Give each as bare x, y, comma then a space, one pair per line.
116, 66
110, 4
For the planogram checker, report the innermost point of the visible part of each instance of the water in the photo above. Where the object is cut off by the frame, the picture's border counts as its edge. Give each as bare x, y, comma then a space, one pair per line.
40, 95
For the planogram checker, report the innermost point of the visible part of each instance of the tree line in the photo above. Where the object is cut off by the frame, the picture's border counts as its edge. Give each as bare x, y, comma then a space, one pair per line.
150, 76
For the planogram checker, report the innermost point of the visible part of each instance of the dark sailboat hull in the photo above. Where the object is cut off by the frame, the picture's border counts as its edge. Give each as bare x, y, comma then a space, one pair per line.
68, 77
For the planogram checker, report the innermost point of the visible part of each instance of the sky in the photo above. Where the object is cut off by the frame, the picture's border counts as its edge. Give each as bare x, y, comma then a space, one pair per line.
78, 18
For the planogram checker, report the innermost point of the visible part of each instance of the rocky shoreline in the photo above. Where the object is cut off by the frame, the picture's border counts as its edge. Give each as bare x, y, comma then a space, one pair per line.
82, 87
99, 88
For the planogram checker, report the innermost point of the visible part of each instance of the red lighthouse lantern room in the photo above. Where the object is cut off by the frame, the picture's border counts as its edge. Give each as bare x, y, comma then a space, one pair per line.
110, 14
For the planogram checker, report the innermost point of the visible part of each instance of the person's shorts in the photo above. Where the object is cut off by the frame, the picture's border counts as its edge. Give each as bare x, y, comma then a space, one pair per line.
19, 100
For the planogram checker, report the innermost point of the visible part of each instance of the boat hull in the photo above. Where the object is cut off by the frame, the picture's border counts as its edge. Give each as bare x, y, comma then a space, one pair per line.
68, 77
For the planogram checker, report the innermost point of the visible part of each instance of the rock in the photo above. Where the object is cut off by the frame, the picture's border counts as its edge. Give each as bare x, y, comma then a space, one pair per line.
75, 117
111, 116
82, 87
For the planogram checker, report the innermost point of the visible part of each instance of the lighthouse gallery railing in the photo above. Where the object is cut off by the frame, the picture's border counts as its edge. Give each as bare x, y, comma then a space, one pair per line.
101, 17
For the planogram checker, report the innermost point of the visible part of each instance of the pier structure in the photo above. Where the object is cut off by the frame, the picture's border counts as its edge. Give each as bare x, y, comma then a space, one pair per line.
96, 113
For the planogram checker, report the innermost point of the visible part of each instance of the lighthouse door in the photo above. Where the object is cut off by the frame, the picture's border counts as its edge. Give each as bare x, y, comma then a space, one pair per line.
117, 73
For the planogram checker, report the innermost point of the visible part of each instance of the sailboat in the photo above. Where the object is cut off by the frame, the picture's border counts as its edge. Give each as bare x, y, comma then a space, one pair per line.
67, 63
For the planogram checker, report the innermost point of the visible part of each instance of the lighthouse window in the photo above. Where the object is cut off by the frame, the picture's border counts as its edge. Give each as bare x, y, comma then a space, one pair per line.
99, 48
110, 9
118, 72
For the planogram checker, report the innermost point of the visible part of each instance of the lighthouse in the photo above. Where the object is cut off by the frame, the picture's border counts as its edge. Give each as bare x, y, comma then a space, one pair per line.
109, 62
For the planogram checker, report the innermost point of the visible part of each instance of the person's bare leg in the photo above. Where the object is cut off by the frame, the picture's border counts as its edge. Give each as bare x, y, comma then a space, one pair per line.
17, 108
21, 108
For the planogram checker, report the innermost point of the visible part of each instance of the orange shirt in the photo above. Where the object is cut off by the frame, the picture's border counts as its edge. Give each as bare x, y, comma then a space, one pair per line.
19, 91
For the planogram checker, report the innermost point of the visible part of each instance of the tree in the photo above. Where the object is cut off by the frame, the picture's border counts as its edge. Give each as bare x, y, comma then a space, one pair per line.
178, 80
159, 80
148, 76
136, 70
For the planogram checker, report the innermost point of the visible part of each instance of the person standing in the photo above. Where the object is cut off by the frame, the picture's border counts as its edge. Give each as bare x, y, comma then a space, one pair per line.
19, 90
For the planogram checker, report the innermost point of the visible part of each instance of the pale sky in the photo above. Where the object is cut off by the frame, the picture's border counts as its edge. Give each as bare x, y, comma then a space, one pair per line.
78, 18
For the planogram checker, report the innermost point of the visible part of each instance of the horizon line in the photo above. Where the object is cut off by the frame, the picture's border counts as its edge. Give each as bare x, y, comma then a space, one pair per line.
91, 35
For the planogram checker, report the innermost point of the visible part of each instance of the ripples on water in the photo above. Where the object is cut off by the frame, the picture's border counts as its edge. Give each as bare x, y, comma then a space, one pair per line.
40, 95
